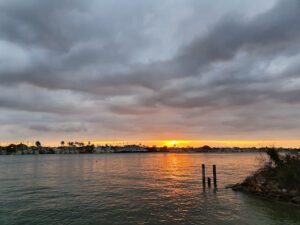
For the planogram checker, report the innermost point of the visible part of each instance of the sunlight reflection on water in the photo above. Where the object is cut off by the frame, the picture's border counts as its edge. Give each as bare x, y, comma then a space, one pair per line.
132, 189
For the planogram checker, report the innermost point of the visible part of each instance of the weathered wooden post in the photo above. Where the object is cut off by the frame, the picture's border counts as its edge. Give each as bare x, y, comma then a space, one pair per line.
203, 175
215, 175
208, 182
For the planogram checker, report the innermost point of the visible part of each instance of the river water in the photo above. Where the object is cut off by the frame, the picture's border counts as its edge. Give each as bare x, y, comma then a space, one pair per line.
158, 188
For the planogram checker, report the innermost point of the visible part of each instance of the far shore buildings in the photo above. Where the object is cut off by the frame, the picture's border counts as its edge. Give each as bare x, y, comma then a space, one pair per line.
22, 149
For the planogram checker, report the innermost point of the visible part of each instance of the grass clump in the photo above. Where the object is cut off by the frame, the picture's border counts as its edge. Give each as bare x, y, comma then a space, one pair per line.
285, 168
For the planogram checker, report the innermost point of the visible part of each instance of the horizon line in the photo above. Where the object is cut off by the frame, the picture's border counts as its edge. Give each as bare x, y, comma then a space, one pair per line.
174, 143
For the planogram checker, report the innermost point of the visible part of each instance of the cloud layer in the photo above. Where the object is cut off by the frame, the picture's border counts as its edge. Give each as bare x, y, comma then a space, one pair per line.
142, 70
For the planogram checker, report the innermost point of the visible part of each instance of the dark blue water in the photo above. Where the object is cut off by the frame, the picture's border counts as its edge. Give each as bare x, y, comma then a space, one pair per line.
132, 189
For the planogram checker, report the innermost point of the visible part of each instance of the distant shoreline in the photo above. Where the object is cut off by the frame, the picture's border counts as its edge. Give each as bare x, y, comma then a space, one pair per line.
22, 149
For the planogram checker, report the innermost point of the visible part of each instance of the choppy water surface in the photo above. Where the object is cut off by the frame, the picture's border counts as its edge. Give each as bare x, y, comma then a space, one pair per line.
132, 189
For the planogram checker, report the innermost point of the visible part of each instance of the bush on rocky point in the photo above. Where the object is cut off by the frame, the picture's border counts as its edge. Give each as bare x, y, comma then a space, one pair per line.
284, 168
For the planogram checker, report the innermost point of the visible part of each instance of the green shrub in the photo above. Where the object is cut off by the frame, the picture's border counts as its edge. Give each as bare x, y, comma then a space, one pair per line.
285, 169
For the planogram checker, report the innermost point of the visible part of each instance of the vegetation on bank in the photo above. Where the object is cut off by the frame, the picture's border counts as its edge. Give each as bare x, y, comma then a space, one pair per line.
279, 177
284, 168
81, 147
71, 147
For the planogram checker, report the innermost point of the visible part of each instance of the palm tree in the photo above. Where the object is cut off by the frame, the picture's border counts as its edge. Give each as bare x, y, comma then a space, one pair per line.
62, 143
38, 144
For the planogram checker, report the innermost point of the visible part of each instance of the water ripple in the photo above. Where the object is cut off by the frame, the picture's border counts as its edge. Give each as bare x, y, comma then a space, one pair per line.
132, 189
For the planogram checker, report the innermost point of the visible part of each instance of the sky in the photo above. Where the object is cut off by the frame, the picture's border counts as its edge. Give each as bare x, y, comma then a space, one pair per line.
150, 70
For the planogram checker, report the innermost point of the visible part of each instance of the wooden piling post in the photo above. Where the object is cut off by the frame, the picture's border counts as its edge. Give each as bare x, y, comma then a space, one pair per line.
208, 182
203, 175
215, 175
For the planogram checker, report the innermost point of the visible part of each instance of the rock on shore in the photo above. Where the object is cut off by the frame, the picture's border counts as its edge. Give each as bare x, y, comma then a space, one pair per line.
262, 185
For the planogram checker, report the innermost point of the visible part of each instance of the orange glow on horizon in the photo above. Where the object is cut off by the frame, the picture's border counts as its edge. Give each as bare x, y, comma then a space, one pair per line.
181, 143
175, 143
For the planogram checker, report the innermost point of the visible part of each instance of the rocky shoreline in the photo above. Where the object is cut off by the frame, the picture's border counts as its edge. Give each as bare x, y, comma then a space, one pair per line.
271, 189
274, 181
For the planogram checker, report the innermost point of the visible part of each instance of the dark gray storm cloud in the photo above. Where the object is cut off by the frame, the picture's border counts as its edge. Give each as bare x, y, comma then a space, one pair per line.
150, 69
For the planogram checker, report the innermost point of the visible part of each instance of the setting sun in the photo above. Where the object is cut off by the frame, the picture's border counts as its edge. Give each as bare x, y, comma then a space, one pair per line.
172, 143
176, 143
